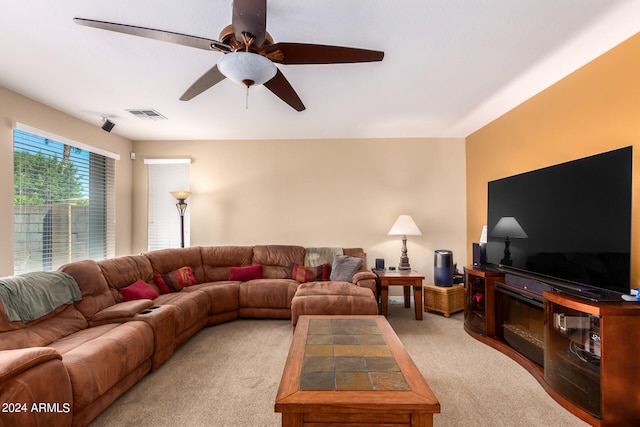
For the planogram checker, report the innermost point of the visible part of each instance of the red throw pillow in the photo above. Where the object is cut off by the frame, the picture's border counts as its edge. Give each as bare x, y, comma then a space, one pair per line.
243, 274
303, 274
175, 280
138, 290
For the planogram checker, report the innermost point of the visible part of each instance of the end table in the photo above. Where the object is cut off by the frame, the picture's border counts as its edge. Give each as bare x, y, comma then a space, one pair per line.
406, 279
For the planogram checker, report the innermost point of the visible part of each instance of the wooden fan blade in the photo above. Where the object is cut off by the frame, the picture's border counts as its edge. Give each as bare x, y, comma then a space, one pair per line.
281, 87
150, 33
250, 16
207, 80
304, 53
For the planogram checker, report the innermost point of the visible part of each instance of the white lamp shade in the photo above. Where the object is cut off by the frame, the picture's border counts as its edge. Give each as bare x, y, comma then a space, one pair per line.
508, 226
247, 68
181, 195
405, 226
483, 235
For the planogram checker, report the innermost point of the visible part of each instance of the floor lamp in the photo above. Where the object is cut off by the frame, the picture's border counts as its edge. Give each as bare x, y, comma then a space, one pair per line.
181, 196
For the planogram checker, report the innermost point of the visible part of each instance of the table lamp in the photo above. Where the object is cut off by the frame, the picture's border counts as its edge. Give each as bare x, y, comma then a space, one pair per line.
509, 228
404, 226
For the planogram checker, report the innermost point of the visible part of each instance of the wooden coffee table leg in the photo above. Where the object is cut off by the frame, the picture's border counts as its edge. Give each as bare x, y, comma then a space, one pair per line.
421, 420
291, 419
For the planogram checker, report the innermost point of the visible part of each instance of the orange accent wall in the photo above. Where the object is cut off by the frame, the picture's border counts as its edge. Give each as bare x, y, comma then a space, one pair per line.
593, 110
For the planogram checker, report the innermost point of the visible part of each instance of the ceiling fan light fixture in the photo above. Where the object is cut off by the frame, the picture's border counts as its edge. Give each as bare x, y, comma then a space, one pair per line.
247, 68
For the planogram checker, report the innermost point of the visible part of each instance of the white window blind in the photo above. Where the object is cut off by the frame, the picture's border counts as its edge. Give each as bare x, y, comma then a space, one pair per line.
165, 176
64, 201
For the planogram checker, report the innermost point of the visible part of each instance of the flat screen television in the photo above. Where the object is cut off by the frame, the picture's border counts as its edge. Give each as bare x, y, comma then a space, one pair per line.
573, 225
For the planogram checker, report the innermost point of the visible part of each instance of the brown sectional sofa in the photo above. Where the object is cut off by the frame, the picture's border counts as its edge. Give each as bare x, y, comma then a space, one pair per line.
92, 373
79, 358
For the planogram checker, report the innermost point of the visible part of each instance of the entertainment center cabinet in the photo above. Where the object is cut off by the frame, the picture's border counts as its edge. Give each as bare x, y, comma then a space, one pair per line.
582, 352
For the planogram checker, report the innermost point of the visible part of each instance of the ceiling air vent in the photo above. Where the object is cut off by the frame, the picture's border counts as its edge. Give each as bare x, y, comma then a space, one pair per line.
147, 114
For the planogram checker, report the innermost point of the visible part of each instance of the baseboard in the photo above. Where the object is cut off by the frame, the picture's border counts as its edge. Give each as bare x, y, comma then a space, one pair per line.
397, 299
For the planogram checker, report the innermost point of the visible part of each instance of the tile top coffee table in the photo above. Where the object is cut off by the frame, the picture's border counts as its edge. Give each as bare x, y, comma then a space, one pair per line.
351, 369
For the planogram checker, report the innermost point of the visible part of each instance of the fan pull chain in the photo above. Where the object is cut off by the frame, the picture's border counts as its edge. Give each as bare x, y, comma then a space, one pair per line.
246, 101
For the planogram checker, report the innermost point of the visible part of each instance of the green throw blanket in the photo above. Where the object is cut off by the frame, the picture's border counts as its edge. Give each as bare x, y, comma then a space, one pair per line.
30, 296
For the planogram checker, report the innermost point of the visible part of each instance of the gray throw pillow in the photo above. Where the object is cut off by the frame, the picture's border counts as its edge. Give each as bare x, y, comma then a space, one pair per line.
344, 267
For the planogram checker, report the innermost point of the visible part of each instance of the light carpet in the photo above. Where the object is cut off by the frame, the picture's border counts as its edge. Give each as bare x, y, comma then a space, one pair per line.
228, 375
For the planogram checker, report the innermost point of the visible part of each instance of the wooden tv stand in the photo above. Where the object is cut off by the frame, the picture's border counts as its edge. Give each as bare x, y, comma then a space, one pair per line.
590, 363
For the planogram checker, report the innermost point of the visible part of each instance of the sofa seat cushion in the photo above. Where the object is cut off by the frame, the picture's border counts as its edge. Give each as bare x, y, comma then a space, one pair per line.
191, 308
98, 358
223, 296
267, 293
332, 298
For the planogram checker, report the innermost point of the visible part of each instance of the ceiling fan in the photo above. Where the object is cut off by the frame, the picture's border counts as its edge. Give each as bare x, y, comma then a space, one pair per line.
250, 52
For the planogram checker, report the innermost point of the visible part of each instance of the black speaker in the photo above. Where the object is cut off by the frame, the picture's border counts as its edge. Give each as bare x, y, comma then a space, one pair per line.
479, 254
108, 125
443, 268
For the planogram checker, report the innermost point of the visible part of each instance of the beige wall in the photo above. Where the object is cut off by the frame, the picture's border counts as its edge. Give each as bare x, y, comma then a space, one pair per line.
319, 193
306, 192
17, 108
349, 192
595, 109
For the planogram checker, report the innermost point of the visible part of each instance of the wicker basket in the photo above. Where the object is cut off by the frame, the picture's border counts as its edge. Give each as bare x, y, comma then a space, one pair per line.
444, 300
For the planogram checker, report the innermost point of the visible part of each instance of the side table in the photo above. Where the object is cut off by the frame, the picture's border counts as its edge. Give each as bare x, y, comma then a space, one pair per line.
407, 279
445, 300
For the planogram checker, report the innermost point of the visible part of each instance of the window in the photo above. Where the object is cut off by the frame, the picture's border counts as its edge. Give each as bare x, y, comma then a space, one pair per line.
165, 176
64, 201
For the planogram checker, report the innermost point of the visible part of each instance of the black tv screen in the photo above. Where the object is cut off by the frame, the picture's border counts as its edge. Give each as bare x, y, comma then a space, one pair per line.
576, 217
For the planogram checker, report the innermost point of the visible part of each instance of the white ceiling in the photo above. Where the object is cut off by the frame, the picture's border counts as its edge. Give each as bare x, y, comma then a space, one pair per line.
450, 66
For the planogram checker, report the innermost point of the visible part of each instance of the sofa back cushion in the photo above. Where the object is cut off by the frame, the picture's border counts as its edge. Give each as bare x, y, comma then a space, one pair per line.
63, 321
277, 260
125, 270
96, 295
217, 260
166, 260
